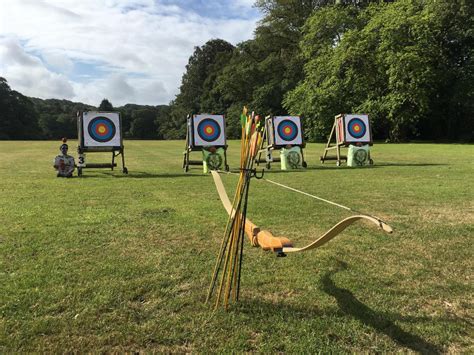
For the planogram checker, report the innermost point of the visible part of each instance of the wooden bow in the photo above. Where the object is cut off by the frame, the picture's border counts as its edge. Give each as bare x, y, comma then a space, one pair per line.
281, 245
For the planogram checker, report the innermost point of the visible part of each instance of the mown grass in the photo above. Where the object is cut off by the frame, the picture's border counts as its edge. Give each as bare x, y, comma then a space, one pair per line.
110, 262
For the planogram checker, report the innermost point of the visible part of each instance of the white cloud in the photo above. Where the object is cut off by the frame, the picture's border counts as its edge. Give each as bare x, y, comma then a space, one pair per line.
128, 51
58, 60
26, 73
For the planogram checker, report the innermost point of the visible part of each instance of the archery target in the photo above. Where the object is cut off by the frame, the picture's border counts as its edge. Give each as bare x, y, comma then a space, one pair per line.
287, 130
102, 129
208, 130
357, 128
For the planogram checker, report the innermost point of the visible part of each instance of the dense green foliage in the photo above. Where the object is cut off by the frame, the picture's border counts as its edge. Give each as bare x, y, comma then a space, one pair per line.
57, 118
196, 88
17, 115
106, 105
407, 63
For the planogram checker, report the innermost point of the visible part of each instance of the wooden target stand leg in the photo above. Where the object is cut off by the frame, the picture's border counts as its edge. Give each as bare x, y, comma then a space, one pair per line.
186, 160
338, 158
303, 161
226, 165
186, 154
120, 152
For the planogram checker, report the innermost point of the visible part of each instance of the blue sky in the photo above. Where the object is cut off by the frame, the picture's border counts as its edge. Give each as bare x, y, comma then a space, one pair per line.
126, 51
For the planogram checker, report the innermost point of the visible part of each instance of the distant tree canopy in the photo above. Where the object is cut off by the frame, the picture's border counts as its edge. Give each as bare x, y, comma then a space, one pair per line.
105, 105
33, 118
407, 63
197, 84
18, 118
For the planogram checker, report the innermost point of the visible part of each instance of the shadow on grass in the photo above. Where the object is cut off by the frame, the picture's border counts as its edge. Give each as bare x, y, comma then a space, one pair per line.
276, 170
136, 175
351, 306
145, 175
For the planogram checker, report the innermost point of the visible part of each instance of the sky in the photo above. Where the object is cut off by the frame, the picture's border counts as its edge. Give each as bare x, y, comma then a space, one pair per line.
128, 51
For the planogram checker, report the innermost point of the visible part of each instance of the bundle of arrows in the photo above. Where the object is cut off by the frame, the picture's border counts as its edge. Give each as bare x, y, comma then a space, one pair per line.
226, 277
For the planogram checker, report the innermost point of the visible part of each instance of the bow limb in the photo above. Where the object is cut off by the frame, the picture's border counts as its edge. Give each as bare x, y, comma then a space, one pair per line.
267, 241
338, 228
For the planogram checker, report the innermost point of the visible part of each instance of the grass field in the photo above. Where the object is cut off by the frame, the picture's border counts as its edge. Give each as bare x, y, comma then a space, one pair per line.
109, 262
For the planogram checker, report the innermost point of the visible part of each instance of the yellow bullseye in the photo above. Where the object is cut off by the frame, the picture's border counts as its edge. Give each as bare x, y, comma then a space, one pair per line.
102, 129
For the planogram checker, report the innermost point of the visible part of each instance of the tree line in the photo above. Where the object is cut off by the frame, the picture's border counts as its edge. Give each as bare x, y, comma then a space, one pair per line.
26, 118
407, 63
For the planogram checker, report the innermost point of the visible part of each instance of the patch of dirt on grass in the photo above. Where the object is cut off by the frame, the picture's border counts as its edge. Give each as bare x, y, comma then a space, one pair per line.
452, 216
445, 215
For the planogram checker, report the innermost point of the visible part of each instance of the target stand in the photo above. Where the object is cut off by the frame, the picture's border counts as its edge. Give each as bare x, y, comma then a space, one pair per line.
283, 133
348, 129
205, 133
99, 132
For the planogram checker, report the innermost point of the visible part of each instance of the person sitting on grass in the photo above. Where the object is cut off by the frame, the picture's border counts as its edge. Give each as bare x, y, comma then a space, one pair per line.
64, 163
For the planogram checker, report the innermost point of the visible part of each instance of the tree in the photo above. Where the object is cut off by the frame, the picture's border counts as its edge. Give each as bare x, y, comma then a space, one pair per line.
201, 65
399, 62
105, 105
197, 82
57, 118
143, 124
163, 124
18, 118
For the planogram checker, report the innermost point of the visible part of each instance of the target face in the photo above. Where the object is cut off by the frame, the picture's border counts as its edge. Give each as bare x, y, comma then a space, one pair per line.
287, 130
101, 129
208, 130
357, 128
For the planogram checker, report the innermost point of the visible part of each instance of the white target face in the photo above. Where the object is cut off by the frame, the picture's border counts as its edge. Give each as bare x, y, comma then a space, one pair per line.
287, 130
101, 129
357, 128
208, 130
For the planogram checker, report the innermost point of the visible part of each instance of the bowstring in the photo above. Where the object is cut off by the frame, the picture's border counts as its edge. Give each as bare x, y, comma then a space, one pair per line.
311, 195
